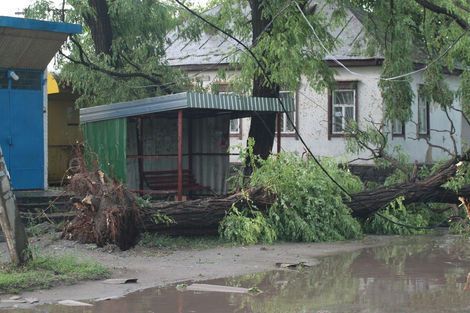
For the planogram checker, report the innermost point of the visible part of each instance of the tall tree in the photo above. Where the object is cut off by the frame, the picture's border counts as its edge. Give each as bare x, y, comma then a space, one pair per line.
283, 46
121, 54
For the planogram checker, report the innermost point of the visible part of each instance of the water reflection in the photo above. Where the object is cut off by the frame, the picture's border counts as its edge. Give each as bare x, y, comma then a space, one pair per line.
419, 274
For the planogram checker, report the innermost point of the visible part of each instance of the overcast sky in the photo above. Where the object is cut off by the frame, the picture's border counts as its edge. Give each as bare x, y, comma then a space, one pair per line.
10, 7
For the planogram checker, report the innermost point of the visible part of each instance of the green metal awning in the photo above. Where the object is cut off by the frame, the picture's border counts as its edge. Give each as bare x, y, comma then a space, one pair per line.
189, 101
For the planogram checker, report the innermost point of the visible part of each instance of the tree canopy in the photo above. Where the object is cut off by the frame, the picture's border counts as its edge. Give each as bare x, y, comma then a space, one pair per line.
121, 53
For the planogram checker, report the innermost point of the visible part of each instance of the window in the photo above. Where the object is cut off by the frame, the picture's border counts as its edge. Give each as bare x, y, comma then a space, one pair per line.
235, 124
286, 125
32, 80
398, 128
423, 115
342, 107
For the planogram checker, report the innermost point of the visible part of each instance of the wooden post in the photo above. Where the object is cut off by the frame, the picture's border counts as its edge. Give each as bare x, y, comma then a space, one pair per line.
12, 227
179, 196
140, 151
278, 126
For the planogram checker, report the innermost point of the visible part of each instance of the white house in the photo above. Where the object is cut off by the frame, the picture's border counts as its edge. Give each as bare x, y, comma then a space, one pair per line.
320, 116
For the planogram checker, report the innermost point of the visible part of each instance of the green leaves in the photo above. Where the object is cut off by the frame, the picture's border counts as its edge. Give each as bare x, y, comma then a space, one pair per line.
135, 66
246, 227
396, 212
309, 205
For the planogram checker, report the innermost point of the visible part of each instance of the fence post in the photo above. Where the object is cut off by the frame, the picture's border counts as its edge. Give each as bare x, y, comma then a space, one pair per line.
12, 227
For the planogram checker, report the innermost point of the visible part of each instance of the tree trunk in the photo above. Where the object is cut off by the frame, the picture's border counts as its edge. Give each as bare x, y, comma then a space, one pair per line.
428, 190
198, 217
100, 26
263, 125
202, 216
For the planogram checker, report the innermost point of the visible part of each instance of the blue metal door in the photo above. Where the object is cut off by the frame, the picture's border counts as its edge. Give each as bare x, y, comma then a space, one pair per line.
27, 133
22, 129
5, 123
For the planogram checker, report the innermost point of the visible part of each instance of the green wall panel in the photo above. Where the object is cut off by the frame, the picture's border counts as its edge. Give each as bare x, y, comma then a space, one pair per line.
106, 141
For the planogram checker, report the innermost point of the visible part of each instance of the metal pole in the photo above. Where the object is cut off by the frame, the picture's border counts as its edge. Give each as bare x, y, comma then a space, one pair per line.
278, 126
179, 195
140, 151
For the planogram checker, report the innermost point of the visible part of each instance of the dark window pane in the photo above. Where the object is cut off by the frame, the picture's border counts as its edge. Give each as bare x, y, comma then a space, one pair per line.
27, 80
3, 79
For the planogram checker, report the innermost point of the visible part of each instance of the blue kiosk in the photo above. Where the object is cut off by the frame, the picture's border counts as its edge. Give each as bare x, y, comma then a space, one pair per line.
26, 48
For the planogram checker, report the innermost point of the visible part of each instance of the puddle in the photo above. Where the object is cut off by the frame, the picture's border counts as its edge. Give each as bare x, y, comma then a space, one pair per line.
416, 274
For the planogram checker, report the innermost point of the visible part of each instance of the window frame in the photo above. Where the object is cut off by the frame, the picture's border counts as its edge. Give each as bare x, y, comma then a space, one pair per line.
238, 133
224, 89
401, 134
422, 97
341, 86
284, 121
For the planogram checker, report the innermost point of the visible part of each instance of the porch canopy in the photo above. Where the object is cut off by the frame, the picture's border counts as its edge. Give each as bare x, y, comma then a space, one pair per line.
31, 44
201, 130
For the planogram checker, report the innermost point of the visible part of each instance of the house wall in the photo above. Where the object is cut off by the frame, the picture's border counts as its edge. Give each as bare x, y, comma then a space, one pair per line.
313, 119
419, 150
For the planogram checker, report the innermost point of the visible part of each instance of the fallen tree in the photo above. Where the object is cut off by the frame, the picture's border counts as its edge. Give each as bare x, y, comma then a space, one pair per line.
202, 216
108, 213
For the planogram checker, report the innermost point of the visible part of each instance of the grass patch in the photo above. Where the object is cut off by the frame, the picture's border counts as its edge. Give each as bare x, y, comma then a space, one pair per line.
47, 271
150, 240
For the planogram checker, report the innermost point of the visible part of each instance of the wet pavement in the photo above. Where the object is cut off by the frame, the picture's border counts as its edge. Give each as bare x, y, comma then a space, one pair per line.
415, 274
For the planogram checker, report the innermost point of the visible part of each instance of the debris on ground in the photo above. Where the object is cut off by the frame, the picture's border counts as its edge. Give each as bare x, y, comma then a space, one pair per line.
107, 213
18, 299
73, 303
293, 265
216, 288
120, 281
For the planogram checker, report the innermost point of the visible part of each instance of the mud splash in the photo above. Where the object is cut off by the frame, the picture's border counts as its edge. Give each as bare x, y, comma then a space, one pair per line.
416, 274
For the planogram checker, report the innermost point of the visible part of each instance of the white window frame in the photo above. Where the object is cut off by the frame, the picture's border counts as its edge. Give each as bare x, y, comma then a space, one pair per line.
423, 108
233, 133
284, 121
239, 127
398, 128
343, 106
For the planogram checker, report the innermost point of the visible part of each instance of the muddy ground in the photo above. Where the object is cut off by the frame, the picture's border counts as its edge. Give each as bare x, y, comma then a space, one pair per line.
154, 268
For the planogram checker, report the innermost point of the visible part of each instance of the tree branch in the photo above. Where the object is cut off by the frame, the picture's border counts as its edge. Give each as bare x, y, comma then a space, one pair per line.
444, 11
85, 61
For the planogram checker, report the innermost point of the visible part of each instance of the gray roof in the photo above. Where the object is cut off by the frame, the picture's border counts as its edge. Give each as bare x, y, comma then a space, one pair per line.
218, 49
185, 100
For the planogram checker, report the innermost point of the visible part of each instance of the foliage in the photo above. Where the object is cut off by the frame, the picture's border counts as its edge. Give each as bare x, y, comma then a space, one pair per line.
460, 179
160, 218
47, 271
309, 206
139, 36
395, 212
411, 31
461, 227
286, 48
246, 227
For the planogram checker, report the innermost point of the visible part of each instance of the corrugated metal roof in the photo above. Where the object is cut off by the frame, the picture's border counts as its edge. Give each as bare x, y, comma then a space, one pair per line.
185, 100
31, 44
